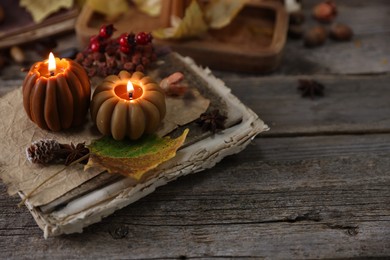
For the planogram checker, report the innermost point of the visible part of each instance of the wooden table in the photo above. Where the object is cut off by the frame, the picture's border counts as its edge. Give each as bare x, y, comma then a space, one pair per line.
316, 186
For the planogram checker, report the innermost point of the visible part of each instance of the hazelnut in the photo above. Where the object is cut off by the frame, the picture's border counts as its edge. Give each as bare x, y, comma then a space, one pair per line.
325, 11
315, 36
341, 32
297, 18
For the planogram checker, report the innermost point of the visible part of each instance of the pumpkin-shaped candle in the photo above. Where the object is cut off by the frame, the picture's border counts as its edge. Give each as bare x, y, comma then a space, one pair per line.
128, 105
56, 94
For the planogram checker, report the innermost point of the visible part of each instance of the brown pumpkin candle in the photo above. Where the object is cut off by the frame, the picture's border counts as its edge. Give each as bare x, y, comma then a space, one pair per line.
56, 94
128, 105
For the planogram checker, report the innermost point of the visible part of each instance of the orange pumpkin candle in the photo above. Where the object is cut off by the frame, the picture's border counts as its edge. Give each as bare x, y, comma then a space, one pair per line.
56, 94
128, 105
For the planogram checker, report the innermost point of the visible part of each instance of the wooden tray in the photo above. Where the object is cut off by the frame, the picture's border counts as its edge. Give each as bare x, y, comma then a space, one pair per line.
18, 26
101, 195
253, 42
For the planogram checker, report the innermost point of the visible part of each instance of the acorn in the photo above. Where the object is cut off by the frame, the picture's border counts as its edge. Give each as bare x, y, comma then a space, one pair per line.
315, 36
325, 11
341, 32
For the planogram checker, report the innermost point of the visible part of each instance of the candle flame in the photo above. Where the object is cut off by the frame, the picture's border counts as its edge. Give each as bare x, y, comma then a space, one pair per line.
130, 87
52, 62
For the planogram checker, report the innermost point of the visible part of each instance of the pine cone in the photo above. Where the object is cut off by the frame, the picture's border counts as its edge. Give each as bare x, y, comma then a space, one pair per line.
42, 151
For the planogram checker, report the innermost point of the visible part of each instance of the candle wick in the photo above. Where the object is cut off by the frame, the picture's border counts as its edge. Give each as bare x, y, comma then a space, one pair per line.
131, 95
51, 73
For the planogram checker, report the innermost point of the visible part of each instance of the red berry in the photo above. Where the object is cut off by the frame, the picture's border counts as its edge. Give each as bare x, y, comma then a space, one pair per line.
145, 61
95, 43
136, 59
140, 68
123, 40
106, 31
129, 66
125, 49
111, 49
94, 38
142, 38
98, 56
95, 46
148, 48
79, 57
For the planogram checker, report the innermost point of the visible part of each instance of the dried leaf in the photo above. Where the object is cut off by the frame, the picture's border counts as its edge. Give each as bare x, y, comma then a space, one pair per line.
17, 133
182, 111
191, 25
110, 9
219, 13
133, 158
39, 10
149, 7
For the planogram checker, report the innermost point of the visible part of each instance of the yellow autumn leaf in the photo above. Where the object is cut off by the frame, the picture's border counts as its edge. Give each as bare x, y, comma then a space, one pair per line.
192, 25
110, 8
133, 158
150, 7
219, 13
41, 9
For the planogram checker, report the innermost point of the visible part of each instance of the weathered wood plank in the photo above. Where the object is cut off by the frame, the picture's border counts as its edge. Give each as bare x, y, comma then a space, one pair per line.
293, 197
354, 104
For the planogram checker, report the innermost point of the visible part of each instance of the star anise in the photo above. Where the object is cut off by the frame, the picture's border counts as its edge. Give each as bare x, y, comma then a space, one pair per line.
71, 152
311, 88
211, 121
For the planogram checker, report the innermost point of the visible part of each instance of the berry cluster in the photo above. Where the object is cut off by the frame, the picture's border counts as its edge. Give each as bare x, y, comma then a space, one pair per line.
105, 56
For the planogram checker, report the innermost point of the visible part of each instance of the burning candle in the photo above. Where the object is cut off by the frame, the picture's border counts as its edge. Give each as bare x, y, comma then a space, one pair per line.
52, 66
56, 94
128, 105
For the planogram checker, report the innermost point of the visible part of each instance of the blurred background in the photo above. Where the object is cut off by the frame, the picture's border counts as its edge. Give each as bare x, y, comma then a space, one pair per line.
267, 37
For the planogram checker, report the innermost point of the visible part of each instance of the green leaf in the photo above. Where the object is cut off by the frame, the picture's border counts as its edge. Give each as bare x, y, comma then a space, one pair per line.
133, 158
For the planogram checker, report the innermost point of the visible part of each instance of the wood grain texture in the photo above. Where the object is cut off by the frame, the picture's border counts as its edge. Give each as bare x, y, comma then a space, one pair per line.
367, 53
298, 197
351, 104
315, 186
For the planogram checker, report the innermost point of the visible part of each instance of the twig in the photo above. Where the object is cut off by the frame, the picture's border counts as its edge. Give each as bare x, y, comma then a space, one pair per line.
48, 179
